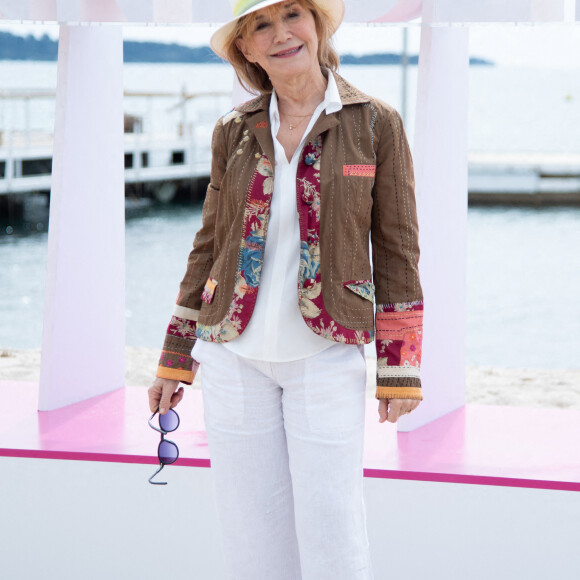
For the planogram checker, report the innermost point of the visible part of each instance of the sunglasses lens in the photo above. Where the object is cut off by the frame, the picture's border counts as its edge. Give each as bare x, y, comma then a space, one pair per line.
170, 421
167, 452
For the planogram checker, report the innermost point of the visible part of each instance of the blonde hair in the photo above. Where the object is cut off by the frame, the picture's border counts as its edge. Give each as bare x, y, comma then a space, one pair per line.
251, 75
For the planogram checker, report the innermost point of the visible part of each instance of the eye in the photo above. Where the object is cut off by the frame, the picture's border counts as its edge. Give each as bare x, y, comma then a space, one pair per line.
292, 14
261, 26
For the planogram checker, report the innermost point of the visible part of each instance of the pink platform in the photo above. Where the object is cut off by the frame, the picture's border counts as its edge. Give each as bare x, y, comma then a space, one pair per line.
478, 444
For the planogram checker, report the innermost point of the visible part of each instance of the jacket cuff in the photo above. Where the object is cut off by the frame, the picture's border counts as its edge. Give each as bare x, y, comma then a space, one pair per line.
176, 361
388, 392
398, 342
183, 376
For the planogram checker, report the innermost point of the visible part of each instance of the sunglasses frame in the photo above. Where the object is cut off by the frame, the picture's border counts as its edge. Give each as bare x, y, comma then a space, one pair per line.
163, 433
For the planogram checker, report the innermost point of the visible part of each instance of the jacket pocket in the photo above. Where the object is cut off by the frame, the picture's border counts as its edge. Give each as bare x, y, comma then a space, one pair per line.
364, 288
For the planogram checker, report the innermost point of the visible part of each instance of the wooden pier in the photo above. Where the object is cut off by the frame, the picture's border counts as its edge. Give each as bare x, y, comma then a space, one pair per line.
27, 169
157, 164
524, 178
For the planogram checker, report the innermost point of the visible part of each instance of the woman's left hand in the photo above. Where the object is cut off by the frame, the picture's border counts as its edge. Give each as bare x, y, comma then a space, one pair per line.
391, 409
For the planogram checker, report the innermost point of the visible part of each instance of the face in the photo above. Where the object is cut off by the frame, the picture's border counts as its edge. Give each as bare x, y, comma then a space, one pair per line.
283, 40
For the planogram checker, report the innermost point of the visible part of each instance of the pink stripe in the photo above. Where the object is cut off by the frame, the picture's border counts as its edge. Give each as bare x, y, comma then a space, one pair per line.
370, 473
98, 457
398, 322
472, 479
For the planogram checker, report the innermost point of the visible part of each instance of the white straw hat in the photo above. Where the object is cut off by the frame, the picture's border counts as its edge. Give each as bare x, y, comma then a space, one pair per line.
335, 9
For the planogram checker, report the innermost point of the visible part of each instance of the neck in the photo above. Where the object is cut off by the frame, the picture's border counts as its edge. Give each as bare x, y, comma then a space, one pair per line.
300, 94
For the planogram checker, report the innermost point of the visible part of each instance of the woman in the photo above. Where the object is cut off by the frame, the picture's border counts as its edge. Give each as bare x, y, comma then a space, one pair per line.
278, 287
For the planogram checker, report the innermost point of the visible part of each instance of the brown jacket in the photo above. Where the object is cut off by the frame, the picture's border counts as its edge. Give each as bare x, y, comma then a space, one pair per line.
355, 178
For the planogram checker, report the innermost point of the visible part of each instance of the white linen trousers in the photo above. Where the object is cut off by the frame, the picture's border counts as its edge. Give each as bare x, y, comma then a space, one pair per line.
286, 446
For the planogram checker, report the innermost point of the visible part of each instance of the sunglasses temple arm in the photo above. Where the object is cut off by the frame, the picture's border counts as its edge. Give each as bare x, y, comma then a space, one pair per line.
157, 482
153, 426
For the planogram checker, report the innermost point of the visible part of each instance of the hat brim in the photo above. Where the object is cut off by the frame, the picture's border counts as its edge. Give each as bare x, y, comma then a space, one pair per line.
335, 8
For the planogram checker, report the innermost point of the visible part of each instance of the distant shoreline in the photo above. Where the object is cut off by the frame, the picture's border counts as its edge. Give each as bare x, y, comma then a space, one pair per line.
45, 49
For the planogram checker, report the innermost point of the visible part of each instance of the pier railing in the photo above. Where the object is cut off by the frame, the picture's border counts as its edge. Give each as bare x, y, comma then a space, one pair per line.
168, 140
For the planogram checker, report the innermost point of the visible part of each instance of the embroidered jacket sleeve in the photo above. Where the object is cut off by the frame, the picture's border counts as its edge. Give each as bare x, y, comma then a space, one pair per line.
394, 236
176, 361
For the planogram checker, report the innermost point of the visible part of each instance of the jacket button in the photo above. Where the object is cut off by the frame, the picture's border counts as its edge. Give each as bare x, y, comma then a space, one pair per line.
258, 155
246, 139
246, 132
239, 151
238, 120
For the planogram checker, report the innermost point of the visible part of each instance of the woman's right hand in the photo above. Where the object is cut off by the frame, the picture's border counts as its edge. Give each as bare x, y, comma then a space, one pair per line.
164, 395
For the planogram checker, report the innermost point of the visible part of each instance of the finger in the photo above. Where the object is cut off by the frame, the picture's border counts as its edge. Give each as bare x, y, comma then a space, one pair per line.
167, 393
176, 397
415, 405
154, 394
383, 410
394, 410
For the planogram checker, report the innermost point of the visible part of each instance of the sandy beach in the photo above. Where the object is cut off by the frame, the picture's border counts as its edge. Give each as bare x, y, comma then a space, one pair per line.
526, 387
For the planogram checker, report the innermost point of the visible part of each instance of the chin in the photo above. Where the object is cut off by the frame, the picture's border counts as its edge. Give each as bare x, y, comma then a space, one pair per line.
292, 68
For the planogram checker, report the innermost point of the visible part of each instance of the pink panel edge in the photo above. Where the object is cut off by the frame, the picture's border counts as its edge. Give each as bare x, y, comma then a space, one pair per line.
472, 479
369, 473
99, 457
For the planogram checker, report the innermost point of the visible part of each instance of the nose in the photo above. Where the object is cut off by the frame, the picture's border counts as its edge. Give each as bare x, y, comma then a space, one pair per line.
281, 31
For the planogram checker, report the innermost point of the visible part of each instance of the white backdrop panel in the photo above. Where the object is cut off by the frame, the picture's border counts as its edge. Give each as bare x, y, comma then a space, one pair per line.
96, 521
183, 11
499, 11
440, 162
447, 531
84, 318
179, 10
41, 9
19, 10
90, 11
382, 10
91, 520
142, 10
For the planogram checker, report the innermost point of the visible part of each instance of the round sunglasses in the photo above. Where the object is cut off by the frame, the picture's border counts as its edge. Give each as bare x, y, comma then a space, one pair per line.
167, 451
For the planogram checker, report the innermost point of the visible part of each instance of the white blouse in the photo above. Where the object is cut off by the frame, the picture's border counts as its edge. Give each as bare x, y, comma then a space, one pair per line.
276, 331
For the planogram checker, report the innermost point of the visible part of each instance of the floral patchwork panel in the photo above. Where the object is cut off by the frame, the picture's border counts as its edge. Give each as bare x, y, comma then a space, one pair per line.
364, 288
176, 361
309, 281
182, 328
399, 340
250, 257
400, 307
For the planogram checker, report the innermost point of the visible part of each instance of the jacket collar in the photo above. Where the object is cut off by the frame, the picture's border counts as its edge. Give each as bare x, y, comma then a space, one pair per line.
349, 95
258, 115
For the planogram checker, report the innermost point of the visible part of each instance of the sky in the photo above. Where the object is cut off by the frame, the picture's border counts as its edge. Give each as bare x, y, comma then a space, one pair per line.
544, 45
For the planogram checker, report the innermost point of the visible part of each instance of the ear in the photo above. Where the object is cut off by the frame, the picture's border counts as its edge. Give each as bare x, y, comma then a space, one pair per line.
243, 48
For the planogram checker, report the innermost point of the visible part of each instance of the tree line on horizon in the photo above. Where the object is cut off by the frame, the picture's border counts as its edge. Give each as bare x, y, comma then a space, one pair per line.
30, 48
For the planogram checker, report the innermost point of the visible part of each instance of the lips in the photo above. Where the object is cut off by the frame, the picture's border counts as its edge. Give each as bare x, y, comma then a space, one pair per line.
289, 52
